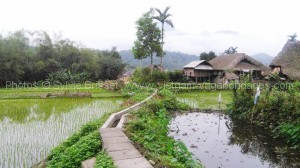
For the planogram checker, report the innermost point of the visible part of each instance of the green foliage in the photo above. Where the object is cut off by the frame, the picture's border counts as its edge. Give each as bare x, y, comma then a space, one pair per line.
277, 108
79, 147
177, 76
163, 18
242, 104
148, 128
34, 56
148, 36
144, 75
208, 56
72, 156
104, 161
62, 76
110, 66
290, 132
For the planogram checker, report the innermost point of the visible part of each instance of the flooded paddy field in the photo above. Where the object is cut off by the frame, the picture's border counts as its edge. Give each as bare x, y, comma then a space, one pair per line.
217, 141
30, 128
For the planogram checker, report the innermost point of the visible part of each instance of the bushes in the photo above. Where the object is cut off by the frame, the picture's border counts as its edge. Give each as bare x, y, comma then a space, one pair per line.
241, 105
177, 76
80, 146
277, 109
143, 75
290, 132
148, 128
83, 149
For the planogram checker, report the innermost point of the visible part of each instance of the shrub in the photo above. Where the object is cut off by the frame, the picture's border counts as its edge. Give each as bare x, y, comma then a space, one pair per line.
177, 76
277, 109
144, 75
104, 161
83, 149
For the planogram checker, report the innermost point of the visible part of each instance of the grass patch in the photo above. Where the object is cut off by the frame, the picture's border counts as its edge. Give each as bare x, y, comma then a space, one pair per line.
148, 129
205, 99
80, 146
104, 161
40, 92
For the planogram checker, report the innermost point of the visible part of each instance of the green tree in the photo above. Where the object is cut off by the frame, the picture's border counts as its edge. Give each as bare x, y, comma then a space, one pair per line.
208, 56
34, 56
110, 65
163, 18
148, 38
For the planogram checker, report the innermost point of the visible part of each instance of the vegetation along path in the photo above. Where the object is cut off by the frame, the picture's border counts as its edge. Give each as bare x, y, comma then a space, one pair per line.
117, 144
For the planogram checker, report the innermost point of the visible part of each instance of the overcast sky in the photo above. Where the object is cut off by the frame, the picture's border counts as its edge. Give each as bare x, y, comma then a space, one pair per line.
254, 26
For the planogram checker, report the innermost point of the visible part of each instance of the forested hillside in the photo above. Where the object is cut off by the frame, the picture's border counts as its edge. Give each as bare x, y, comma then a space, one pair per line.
35, 56
171, 61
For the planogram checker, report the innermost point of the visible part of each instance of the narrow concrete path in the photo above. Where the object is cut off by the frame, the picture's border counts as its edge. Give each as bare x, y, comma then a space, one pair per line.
119, 147
117, 144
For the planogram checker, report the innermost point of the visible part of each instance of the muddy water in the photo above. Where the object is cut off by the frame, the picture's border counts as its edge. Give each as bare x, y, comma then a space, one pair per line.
217, 141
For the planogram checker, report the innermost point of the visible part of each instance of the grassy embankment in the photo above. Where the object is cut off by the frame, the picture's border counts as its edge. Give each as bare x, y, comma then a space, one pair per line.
86, 143
148, 129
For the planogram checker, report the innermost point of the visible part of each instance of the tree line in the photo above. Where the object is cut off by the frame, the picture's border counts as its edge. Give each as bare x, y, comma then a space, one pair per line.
27, 56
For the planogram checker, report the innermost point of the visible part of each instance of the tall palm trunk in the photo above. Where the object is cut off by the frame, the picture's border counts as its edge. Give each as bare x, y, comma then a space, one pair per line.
162, 47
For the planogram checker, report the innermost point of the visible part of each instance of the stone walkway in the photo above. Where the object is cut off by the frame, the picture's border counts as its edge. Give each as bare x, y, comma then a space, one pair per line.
119, 147
117, 144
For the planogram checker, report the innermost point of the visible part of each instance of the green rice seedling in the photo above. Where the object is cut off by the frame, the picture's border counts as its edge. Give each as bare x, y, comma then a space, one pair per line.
30, 128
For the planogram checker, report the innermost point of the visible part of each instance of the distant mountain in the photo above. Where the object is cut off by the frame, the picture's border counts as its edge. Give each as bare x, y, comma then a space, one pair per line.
171, 61
263, 58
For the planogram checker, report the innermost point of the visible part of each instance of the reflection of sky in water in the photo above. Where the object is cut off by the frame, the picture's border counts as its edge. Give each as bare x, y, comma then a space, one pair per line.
209, 137
24, 143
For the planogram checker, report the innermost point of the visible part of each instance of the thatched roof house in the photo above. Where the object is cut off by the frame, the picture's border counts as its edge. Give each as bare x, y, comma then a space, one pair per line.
235, 64
238, 61
288, 60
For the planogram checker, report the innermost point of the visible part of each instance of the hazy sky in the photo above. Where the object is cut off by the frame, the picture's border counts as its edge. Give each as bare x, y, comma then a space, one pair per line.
252, 25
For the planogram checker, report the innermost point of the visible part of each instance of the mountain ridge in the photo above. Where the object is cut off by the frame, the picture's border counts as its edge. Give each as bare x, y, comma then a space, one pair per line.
176, 60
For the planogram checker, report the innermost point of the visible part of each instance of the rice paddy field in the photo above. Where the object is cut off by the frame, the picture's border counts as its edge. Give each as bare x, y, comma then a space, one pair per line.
205, 99
31, 127
39, 92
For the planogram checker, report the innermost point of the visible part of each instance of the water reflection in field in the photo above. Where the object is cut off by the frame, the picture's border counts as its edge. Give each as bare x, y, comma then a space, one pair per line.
31, 127
219, 142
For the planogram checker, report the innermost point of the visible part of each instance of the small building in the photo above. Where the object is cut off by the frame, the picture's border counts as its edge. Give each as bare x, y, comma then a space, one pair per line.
287, 62
233, 65
200, 71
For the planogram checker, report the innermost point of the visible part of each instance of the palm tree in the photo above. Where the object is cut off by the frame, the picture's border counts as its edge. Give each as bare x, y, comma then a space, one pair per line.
163, 18
293, 37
